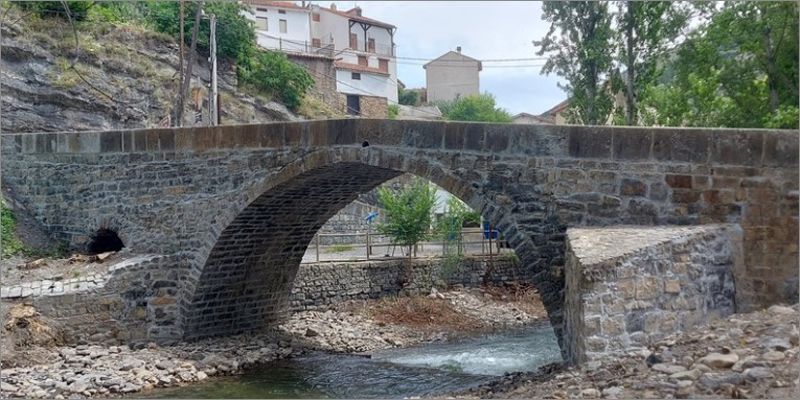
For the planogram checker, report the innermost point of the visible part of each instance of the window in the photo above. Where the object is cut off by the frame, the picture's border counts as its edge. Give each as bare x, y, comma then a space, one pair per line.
383, 65
283, 26
261, 9
315, 17
281, 11
355, 76
362, 60
371, 44
353, 41
261, 23
316, 43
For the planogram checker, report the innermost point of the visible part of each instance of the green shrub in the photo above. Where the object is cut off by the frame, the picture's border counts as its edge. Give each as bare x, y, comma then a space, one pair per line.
394, 109
271, 73
478, 108
78, 10
11, 245
407, 97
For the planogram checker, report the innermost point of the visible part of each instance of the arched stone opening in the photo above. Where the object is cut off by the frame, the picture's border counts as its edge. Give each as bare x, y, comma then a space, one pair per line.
247, 278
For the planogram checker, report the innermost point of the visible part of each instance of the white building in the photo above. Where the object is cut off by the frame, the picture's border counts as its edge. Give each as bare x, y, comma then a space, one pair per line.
363, 48
451, 76
525, 118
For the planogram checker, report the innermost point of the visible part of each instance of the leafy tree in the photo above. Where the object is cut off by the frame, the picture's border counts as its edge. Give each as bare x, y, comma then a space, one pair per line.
474, 107
409, 215
740, 69
407, 97
78, 10
646, 28
235, 34
580, 46
450, 224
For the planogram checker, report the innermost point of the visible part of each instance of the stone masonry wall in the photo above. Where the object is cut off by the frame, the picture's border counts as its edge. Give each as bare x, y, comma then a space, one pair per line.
324, 284
322, 71
628, 287
373, 106
236, 206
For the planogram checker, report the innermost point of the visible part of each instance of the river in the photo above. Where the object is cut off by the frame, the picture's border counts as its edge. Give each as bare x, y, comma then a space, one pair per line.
426, 370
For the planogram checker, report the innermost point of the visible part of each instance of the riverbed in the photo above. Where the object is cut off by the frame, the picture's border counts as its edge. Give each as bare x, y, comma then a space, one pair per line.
426, 370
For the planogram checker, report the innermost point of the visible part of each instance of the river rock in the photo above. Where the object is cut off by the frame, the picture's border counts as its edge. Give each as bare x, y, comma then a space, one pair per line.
311, 332
781, 310
757, 373
773, 356
668, 369
7, 387
590, 393
714, 380
717, 360
612, 392
690, 375
777, 344
166, 365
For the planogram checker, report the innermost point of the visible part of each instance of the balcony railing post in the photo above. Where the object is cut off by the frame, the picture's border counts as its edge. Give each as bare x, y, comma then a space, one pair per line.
316, 240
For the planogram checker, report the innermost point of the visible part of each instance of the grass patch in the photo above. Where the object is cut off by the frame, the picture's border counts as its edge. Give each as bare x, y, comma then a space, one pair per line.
313, 108
13, 246
393, 111
10, 242
341, 248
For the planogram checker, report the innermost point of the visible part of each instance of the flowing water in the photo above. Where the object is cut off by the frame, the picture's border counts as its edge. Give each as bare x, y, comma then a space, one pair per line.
417, 371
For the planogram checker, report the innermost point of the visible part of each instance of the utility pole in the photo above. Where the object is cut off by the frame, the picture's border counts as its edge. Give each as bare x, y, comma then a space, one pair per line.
212, 93
192, 57
179, 99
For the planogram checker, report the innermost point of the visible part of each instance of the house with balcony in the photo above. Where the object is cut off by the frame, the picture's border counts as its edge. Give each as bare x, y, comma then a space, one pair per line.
361, 49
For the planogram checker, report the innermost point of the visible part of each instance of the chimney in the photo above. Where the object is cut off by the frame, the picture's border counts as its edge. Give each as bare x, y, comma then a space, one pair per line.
333, 6
458, 49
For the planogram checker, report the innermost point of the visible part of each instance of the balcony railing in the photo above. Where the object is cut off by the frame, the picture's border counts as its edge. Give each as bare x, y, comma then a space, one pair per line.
299, 47
375, 48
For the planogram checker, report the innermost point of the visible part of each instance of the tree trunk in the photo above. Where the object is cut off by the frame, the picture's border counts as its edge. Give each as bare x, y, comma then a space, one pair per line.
192, 57
591, 110
631, 57
772, 78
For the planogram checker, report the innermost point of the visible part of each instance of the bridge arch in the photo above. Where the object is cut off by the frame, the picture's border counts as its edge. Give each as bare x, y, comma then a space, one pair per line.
246, 278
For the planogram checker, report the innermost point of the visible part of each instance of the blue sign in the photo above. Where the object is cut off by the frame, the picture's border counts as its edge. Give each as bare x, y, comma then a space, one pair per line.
371, 217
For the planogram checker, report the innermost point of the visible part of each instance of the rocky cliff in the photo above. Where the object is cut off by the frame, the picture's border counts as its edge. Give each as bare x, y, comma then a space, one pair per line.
130, 74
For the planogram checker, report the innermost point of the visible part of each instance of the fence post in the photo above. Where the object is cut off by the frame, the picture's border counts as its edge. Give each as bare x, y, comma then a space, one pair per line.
369, 250
316, 239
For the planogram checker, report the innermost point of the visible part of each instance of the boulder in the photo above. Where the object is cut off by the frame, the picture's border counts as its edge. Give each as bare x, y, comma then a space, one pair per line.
718, 360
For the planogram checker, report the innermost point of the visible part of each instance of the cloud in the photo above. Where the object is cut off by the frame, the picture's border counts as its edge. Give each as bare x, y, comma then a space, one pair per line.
484, 30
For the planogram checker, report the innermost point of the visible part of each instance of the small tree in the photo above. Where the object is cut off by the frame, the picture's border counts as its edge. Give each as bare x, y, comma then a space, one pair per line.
449, 226
409, 215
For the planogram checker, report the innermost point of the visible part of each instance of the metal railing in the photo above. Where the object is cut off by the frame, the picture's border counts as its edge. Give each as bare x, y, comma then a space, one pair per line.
490, 244
379, 49
299, 47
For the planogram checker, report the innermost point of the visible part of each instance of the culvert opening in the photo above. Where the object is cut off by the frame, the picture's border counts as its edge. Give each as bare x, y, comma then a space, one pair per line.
104, 240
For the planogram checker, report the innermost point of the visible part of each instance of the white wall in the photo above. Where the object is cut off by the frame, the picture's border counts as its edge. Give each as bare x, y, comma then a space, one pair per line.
331, 29
298, 29
369, 85
524, 119
452, 76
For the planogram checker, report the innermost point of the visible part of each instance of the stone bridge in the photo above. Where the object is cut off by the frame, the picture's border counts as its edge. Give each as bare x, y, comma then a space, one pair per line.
227, 212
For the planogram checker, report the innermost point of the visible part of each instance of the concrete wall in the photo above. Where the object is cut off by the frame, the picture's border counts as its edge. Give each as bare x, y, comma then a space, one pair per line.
236, 206
628, 287
450, 76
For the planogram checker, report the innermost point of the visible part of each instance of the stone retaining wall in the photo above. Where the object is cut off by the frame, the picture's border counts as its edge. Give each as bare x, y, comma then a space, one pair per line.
324, 284
628, 287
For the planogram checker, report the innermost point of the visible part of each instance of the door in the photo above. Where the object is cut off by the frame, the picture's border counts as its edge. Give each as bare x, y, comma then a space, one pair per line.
353, 41
353, 105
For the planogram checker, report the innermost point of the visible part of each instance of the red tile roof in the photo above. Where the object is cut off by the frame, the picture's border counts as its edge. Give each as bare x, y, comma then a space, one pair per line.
359, 68
284, 4
355, 17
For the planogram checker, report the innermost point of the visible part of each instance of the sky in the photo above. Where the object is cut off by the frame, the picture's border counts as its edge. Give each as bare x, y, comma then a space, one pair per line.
484, 30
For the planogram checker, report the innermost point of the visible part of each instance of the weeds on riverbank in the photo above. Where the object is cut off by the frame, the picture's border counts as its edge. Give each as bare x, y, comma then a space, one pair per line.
418, 312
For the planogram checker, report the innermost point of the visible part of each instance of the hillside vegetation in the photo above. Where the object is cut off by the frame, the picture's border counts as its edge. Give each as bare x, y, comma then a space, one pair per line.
122, 73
